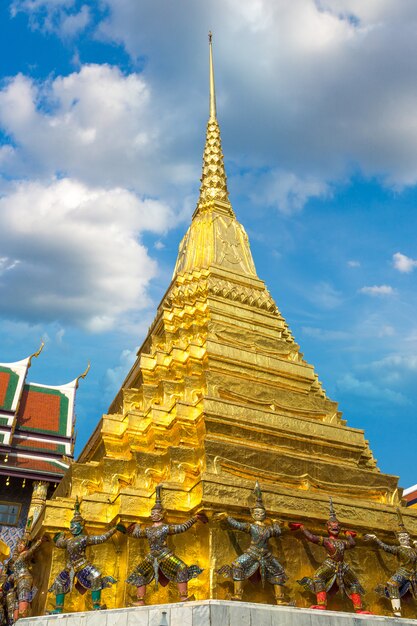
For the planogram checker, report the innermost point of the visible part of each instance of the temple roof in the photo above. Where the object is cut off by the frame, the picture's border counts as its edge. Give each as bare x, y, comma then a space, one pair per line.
36, 423
34, 466
46, 409
12, 378
410, 495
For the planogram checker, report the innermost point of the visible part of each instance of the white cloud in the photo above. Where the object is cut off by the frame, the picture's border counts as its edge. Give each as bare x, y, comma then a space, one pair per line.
64, 17
46, 7
116, 375
386, 331
412, 337
326, 335
395, 370
315, 79
378, 290
79, 257
96, 124
353, 263
403, 362
90, 157
403, 263
281, 189
59, 336
74, 23
325, 296
367, 389
7, 264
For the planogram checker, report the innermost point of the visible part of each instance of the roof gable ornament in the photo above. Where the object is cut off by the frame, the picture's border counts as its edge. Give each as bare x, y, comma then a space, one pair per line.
36, 354
83, 375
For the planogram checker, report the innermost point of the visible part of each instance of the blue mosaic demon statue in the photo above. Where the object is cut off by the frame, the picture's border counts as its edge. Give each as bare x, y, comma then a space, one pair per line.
79, 572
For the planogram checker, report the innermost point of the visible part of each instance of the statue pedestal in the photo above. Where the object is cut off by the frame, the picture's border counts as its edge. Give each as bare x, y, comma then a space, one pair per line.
214, 613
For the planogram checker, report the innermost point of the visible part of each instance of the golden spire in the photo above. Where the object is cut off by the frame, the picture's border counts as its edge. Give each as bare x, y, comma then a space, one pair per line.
213, 180
213, 115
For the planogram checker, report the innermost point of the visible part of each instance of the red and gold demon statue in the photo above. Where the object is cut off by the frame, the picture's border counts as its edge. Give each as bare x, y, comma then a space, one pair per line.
334, 570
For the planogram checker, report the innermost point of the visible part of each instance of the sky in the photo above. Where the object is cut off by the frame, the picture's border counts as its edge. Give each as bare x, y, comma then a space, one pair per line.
103, 108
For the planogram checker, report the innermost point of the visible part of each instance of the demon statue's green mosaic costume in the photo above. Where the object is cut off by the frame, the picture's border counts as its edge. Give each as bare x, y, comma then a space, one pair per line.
87, 577
404, 578
161, 564
257, 562
334, 570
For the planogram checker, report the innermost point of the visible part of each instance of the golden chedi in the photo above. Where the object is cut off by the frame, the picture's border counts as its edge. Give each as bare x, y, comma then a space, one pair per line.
220, 396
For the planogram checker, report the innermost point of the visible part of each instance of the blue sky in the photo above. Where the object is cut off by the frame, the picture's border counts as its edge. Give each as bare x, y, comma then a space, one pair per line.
103, 109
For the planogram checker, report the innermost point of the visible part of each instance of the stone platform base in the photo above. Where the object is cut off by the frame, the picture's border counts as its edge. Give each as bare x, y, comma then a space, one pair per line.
214, 613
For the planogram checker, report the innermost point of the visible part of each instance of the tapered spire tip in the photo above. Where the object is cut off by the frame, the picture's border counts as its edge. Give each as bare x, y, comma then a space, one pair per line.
213, 114
213, 180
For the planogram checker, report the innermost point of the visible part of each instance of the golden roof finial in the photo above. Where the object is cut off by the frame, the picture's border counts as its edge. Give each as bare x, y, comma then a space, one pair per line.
212, 87
36, 354
213, 181
83, 375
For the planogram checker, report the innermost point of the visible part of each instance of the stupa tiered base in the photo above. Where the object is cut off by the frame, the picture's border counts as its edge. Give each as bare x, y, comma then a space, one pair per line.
214, 613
